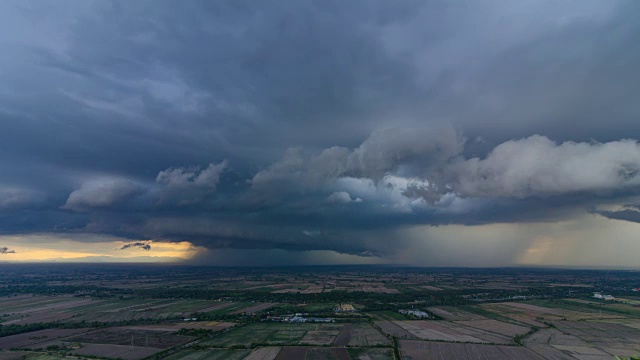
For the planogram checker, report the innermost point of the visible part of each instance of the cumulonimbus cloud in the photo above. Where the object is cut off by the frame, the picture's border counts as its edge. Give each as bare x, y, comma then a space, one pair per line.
528, 167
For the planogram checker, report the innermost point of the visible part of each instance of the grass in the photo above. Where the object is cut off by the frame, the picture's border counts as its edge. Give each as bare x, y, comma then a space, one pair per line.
263, 334
317, 307
371, 353
387, 315
211, 354
486, 313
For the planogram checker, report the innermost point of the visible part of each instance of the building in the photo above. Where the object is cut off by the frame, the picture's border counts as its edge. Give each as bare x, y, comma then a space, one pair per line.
602, 296
346, 308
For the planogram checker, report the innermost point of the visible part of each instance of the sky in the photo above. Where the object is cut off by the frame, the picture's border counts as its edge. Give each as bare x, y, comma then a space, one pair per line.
293, 132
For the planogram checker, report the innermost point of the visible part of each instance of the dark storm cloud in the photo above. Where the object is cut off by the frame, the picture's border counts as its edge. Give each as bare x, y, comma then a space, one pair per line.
626, 213
313, 125
6, 250
141, 245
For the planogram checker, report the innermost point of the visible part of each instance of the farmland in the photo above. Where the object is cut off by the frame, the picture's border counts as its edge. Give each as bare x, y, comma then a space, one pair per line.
352, 313
444, 351
278, 334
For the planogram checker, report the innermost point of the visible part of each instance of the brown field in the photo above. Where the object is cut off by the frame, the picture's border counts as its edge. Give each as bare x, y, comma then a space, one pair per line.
264, 353
496, 327
340, 354
435, 331
371, 353
549, 353
632, 323
454, 314
12, 355
585, 340
377, 290
432, 288
536, 315
32, 309
255, 308
535, 308
323, 335
319, 354
482, 331
391, 328
172, 327
363, 335
116, 351
572, 285
344, 337
410, 350
215, 307
125, 336
27, 310
31, 339
292, 353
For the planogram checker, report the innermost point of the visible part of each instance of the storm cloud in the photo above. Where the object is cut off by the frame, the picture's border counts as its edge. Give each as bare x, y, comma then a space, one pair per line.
6, 250
141, 245
315, 125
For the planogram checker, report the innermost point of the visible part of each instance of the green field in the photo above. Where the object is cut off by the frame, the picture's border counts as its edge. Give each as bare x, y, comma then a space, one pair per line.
318, 307
371, 353
386, 315
211, 354
363, 334
273, 334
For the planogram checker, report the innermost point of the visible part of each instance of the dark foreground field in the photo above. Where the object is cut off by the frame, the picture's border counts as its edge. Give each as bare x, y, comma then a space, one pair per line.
344, 313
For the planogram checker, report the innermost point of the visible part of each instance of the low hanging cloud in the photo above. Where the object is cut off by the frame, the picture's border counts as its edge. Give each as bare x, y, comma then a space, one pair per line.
538, 166
626, 213
142, 245
102, 194
6, 250
383, 152
397, 177
341, 197
188, 186
432, 165
208, 177
174, 185
375, 106
12, 197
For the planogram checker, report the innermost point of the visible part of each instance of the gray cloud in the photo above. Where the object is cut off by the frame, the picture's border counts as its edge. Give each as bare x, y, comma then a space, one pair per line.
194, 176
141, 245
537, 166
6, 250
11, 198
626, 213
340, 197
250, 126
102, 194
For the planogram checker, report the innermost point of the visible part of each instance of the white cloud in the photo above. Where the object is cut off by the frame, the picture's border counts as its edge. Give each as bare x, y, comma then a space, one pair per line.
102, 193
537, 166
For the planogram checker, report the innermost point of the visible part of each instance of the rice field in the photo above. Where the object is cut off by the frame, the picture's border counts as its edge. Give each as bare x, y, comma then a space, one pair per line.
473, 331
411, 350
32, 309
210, 354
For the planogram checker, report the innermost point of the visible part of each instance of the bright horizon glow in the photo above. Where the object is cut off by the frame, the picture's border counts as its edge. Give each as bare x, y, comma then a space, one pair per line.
55, 248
